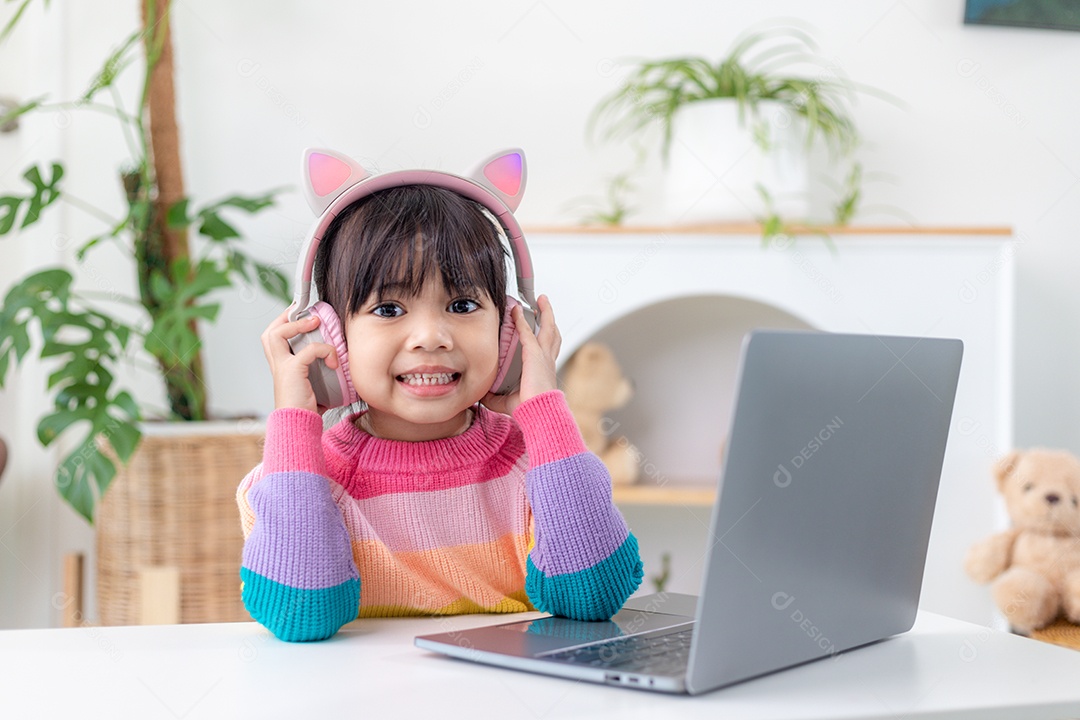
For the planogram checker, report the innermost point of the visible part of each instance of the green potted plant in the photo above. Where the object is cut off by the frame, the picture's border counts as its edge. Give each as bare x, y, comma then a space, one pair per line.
735, 133
184, 256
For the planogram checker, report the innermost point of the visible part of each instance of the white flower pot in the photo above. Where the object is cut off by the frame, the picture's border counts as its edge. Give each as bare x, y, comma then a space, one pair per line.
715, 163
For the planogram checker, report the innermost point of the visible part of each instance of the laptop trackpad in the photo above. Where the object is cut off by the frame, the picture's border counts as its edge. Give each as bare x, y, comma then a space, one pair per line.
530, 638
554, 633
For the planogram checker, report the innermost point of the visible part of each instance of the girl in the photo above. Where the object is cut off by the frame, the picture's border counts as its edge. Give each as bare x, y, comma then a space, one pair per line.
438, 497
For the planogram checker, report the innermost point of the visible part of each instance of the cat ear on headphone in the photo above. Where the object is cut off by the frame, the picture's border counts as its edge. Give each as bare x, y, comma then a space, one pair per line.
504, 174
327, 174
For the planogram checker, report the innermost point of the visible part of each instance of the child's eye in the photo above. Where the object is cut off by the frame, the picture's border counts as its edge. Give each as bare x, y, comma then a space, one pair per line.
388, 310
463, 305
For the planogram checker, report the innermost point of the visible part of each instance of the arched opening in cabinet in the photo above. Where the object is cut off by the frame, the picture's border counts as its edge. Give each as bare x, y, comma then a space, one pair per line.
682, 357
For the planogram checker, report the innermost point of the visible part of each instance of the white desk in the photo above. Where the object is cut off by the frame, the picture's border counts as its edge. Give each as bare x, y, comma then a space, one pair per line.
943, 668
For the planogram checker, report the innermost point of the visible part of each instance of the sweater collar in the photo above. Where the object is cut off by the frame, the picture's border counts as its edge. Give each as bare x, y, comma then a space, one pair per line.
354, 448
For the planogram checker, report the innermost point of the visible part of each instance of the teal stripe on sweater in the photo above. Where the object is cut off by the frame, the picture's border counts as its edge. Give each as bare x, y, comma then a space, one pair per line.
595, 593
298, 615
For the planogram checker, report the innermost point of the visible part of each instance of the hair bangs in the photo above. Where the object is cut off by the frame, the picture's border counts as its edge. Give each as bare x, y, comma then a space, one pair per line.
392, 242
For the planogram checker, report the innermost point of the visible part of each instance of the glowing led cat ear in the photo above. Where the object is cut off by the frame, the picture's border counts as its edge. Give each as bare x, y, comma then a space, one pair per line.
503, 174
327, 174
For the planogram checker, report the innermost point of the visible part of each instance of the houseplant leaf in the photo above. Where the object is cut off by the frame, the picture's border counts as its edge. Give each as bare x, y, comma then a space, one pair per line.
89, 339
43, 194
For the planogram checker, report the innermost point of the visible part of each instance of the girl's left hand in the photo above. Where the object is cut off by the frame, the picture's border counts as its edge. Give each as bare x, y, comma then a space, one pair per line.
538, 354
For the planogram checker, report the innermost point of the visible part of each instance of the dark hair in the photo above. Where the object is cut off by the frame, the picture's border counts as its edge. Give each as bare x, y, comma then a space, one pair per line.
397, 237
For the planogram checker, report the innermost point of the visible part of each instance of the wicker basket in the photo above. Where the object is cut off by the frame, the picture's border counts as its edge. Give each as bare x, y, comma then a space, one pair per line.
173, 506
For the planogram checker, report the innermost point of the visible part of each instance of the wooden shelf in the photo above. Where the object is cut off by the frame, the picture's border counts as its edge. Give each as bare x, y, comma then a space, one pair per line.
695, 495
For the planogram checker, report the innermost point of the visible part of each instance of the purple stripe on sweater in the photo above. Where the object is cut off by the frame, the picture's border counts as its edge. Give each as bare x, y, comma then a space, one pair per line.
577, 526
299, 537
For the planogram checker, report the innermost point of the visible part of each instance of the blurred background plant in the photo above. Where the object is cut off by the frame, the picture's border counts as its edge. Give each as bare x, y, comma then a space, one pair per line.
617, 203
613, 208
660, 580
779, 64
85, 335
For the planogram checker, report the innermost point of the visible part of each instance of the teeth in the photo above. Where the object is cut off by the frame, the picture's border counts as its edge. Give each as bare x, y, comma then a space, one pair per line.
427, 378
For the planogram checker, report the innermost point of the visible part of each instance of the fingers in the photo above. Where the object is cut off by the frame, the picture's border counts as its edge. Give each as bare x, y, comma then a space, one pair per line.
284, 328
275, 342
539, 351
291, 369
288, 363
275, 339
548, 335
318, 351
268, 335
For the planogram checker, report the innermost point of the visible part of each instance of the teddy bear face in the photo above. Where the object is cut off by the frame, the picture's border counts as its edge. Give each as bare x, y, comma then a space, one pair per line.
1042, 490
593, 380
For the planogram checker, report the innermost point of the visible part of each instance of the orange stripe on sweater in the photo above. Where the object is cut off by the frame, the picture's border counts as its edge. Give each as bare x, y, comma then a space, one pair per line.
480, 576
513, 603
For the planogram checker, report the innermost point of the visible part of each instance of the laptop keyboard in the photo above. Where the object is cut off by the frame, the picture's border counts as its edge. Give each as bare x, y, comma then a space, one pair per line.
666, 654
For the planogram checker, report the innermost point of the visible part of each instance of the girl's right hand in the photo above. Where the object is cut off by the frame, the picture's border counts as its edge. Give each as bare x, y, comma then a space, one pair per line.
292, 389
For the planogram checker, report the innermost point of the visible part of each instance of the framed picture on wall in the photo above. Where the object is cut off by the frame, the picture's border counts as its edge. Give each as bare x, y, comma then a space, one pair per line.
1052, 14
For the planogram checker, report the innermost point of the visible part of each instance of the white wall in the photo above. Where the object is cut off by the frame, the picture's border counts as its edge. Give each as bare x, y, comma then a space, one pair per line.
987, 138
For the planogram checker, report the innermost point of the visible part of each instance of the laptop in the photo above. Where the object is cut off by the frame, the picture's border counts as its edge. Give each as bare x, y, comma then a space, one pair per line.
818, 536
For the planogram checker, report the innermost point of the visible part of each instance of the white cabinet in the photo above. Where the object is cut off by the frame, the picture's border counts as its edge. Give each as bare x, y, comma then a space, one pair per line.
675, 303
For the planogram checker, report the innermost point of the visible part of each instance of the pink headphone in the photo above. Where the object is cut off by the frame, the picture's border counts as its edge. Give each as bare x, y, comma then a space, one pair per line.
334, 181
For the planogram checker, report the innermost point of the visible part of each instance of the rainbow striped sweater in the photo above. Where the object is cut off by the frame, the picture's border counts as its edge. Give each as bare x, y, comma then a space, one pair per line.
511, 515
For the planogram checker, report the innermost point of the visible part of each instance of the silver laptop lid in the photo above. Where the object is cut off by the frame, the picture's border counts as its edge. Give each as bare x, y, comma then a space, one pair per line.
820, 529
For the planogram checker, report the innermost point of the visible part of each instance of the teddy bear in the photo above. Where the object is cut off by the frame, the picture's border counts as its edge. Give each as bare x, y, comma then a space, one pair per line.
1035, 565
593, 384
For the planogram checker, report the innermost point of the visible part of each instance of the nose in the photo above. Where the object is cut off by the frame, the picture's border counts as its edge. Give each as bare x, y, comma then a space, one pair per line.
429, 331
1053, 498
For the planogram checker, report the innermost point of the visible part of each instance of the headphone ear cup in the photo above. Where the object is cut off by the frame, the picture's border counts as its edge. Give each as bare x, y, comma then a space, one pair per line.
509, 376
333, 388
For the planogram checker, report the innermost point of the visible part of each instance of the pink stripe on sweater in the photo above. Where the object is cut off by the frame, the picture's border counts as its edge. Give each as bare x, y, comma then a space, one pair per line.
548, 426
420, 521
293, 442
363, 486
369, 467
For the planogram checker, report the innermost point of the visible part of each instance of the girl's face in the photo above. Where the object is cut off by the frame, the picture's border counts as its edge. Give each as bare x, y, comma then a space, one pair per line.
420, 361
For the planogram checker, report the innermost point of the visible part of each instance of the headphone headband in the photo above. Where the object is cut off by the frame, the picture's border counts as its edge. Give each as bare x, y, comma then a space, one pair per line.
334, 181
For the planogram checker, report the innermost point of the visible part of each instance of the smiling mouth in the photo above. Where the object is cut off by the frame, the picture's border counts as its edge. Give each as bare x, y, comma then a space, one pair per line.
420, 379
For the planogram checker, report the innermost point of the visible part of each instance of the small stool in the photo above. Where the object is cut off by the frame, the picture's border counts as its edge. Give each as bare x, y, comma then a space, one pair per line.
1060, 632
